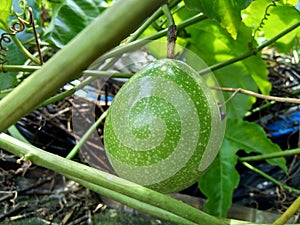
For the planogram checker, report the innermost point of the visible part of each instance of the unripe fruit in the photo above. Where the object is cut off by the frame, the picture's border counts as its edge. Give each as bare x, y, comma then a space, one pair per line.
163, 127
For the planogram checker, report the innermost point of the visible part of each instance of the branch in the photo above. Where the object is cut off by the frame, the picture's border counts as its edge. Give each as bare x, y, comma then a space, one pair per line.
254, 94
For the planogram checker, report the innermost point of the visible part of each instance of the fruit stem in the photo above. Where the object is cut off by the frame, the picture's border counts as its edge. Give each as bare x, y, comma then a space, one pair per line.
172, 31
172, 35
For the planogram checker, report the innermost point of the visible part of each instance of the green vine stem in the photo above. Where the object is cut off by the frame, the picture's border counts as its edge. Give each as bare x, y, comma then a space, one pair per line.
13, 131
257, 95
132, 38
168, 14
86, 135
174, 11
263, 174
144, 26
270, 155
45, 82
18, 68
259, 108
24, 50
294, 207
113, 184
136, 34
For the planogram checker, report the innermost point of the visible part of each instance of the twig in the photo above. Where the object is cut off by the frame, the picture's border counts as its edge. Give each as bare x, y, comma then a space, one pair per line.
9, 195
251, 93
14, 211
35, 35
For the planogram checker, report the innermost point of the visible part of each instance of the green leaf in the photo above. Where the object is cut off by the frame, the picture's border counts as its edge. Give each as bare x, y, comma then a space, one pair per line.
214, 45
218, 183
280, 17
5, 9
252, 138
253, 15
69, 18
222, 178
7, 80
227, 12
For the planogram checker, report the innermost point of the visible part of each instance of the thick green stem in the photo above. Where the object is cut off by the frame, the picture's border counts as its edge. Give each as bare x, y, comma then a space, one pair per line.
141, 206
105, 180
107, 31
292, 210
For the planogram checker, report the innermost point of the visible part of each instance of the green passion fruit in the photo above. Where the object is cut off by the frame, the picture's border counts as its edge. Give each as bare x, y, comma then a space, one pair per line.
163, 128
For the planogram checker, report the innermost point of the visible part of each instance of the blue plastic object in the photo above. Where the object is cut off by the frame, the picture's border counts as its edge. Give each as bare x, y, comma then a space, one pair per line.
287, 125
